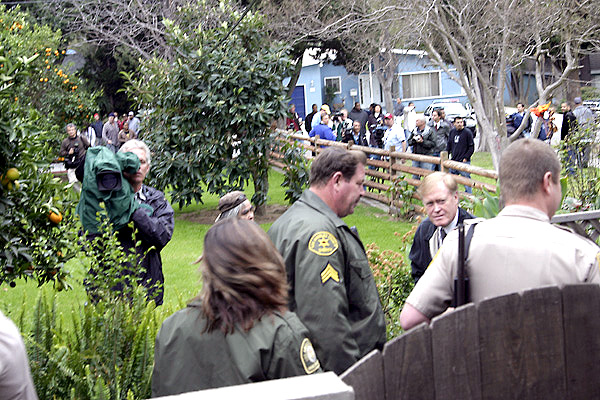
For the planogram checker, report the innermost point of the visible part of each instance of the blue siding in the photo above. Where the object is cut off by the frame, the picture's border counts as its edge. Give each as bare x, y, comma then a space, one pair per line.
313, 79
349, 82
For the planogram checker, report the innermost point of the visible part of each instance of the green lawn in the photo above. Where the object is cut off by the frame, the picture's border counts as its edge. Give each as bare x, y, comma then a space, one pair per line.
182, 280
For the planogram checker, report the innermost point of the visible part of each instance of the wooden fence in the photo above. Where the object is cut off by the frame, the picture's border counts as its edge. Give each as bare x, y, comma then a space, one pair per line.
585, 223
540, 344
392, 164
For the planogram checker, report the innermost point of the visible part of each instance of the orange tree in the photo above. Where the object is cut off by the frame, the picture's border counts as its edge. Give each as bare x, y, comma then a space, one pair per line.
57, 94
38, 233
212, 105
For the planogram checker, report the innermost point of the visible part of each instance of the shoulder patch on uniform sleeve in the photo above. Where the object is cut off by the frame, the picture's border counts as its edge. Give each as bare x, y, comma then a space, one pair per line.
323, 243
309, 359
329, 273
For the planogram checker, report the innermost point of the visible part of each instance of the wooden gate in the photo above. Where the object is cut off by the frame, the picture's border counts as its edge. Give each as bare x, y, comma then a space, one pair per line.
540, 344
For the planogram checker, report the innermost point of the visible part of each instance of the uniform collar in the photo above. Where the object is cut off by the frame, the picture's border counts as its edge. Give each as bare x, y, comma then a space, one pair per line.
524, 212
312, 200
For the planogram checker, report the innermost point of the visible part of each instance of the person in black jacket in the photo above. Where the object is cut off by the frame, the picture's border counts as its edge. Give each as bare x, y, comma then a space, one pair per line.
309, 118
360, 115
461, 147
569, 122
154, 223
440, 199
423, 142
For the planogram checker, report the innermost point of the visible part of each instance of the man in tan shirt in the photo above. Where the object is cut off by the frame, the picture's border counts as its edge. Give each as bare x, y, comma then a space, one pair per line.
517, 250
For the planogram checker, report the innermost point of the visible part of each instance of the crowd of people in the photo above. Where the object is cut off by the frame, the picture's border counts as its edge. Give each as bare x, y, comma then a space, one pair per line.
112, 134
403, 130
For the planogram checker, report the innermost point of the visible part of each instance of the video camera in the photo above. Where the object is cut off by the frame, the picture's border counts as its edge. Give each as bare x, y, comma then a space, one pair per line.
103, 184
337, 117
71, 159
378, 135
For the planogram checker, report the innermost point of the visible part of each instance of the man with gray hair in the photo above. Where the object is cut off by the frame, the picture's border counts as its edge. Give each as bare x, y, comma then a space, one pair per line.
439, 193
153, 222
517, 250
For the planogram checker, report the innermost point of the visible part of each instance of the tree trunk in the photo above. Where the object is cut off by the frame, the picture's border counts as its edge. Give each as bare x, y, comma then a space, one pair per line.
294, 77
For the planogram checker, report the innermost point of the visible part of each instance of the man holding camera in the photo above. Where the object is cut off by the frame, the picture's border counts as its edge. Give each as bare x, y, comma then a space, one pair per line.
153, 221
422, 141
73, 150
141, 215
342, 125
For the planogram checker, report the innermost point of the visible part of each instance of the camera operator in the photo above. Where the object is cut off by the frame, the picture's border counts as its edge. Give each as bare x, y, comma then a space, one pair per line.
355, 136
342, 125
73, 150
422, 141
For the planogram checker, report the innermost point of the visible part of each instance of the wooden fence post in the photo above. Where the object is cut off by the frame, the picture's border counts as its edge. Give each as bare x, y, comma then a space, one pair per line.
392, 173
443, 157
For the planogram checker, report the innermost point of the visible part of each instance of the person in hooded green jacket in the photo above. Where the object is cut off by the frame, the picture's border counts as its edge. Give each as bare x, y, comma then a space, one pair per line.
239, 329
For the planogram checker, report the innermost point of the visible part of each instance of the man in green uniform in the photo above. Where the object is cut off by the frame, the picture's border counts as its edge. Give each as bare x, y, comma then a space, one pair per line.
331, 285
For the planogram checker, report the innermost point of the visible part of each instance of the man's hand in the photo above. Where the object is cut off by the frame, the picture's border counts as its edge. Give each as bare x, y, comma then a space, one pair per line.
71, 150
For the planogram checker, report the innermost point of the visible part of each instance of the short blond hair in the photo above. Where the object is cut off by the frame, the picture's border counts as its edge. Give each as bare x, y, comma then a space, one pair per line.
431, 180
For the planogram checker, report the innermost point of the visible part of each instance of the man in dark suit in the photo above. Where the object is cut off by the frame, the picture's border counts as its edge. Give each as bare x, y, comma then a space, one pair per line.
439, 193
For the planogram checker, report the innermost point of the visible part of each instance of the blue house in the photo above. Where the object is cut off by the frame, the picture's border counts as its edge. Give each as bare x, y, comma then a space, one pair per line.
417, 80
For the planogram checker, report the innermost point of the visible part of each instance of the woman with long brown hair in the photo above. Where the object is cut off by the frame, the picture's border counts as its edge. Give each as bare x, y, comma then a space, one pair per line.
238, 330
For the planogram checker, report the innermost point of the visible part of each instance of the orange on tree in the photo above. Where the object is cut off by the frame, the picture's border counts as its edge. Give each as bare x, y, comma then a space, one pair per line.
54, 217
13, 174
13, 185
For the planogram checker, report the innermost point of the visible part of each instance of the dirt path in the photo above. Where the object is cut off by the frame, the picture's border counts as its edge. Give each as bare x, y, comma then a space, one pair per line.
207, 217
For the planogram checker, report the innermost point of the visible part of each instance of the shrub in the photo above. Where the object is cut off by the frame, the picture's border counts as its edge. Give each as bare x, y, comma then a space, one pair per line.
213, 104
297, 169
393, 279
577, 156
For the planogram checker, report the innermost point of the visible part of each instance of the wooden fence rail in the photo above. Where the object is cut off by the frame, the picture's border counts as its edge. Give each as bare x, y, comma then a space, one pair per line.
540, 344
392, 164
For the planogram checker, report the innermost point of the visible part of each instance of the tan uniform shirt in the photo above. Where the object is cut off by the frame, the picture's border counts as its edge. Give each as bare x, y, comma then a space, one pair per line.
517, 250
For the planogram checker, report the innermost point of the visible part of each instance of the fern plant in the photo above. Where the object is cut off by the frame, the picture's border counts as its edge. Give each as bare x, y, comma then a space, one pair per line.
109, 351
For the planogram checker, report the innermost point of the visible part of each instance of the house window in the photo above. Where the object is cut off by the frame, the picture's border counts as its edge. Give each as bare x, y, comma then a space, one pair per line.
421, 85
335, 83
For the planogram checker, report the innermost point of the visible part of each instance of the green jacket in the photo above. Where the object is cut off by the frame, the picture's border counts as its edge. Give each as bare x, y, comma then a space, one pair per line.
331, 284
120, 204
187, 359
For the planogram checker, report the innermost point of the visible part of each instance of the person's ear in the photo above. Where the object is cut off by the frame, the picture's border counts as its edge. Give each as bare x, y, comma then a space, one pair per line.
337, 178
547, 181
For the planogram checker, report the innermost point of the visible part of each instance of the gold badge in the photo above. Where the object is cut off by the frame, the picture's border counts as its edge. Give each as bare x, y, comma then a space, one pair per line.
323, 244
329, 273
308, 357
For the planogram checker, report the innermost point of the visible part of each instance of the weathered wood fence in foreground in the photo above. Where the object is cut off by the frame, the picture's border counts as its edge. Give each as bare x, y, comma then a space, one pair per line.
391, 165
540, 344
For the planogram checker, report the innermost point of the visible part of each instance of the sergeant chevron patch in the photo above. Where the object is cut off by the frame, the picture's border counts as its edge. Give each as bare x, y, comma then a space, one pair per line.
329, 273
